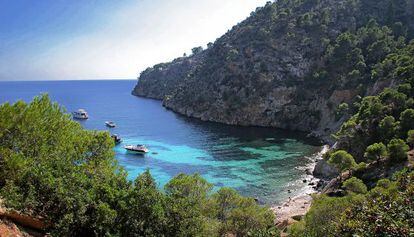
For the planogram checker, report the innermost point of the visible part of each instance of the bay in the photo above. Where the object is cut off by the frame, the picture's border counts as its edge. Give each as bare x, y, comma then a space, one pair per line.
259, 162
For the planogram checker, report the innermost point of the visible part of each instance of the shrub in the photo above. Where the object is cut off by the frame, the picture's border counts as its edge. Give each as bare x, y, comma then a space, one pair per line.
342, 110
342, 160
323, 217
376, 151
186, 197
388, 128
410, 138
397, 150
355, 185
387, 210
361, 167
197, 50
407, 120
145, 209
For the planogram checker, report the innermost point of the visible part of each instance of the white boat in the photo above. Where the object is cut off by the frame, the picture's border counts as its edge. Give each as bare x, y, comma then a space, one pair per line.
117, 139
139, 149
80, 114
110, 124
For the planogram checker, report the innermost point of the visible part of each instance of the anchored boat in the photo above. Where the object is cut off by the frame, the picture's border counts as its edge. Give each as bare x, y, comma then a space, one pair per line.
138, 149
110, 124
117, 138
80, 114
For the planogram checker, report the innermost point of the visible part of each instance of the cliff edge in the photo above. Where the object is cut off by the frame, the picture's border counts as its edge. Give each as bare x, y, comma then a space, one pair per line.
290, 65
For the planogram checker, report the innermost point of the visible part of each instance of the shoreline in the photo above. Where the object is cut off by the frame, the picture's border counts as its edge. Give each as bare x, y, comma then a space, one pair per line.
294, 208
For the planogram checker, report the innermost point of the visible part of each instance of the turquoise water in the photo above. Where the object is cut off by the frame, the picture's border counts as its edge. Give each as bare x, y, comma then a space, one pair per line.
258, 162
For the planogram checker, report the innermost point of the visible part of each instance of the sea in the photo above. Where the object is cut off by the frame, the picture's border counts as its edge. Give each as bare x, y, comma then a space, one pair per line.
264, 163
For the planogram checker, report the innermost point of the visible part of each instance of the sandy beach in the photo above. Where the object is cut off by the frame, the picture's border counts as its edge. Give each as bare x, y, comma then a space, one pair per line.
297, 206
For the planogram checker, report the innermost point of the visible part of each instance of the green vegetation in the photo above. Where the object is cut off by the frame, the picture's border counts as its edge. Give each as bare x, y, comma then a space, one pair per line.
380, 130
355, 55
355, 185
375, 151
197, 50
379, 134
324, 56
388, 116
410, 138
397, 150
51, 167
342, 160
386, 210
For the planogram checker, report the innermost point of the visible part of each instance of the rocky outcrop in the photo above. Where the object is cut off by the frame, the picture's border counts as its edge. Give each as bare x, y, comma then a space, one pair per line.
325, 171
16, 224
25, 220
13, 223
266, 70
9, 229
159, 81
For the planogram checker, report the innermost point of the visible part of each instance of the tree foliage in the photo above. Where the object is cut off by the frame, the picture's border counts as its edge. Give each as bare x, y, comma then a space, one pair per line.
51, 167
410, 138
342, 160
355, 185
376, 151
397, 150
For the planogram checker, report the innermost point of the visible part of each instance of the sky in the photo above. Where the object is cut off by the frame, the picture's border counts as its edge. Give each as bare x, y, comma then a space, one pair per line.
107, 39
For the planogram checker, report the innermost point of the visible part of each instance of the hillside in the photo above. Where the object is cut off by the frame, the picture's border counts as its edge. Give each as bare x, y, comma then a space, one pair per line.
291, 64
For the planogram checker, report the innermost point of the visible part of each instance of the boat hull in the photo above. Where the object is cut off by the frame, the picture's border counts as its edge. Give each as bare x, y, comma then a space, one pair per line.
80, 114
79, 117
136, 152
110, 124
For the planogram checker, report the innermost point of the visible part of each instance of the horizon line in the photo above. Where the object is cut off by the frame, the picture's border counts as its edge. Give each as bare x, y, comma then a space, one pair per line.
89, 79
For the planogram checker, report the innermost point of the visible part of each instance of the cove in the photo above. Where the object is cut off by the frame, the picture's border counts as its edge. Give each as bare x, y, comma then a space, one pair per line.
258, 162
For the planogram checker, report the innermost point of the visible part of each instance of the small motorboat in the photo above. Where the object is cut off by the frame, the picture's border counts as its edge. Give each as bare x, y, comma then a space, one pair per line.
80, 114
117, 139
139, 149
110, 124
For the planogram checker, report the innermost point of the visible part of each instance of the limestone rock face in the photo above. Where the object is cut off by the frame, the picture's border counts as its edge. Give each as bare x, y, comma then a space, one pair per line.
263, 71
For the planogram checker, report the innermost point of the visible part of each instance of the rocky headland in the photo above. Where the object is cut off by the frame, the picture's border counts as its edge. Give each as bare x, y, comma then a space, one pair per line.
277, 68
296, 65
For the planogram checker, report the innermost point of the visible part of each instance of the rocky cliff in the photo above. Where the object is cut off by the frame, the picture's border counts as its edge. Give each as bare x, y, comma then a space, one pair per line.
290, 65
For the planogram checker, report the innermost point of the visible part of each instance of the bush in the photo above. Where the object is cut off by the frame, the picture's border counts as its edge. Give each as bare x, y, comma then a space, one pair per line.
341, 110
387, 210
397, 150
323, 217
145, 209
410, 138
407, 120
342, 160
361, 167
388, 128
376, 151
355, 185
186, 197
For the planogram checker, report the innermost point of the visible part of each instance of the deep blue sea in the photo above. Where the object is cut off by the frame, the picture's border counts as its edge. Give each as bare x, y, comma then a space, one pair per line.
258, 162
